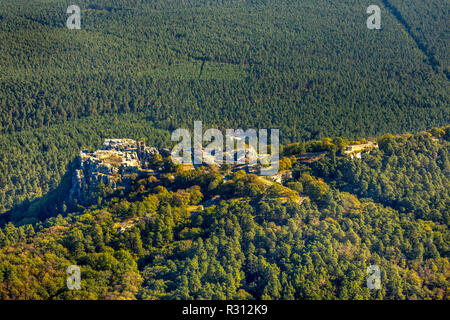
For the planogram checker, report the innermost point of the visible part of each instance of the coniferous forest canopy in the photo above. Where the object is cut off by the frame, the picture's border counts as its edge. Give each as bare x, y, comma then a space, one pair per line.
141, 68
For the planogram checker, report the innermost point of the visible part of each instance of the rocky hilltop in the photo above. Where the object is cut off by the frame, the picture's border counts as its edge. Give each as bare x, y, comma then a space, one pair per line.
113, 165
119, 160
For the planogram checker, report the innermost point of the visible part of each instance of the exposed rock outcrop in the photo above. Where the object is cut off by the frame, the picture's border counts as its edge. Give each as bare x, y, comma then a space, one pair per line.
111, 166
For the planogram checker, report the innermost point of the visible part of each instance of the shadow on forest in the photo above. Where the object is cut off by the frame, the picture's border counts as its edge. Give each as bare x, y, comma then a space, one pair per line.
54, 202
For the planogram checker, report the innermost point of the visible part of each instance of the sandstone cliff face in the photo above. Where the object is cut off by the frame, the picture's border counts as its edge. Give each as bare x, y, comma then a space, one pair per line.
87, 179
109, 167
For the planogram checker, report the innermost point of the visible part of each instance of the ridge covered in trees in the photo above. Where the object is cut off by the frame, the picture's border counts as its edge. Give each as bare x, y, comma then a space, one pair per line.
213, 234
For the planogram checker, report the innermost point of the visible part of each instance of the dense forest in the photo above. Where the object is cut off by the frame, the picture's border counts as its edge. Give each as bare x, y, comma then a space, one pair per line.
429, 34
214, 234
310, 68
